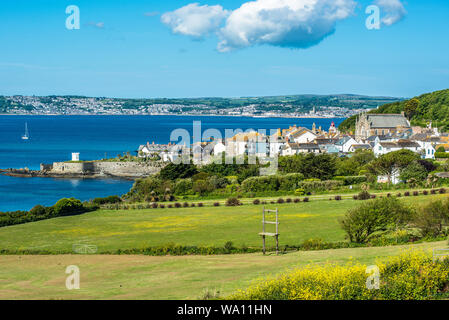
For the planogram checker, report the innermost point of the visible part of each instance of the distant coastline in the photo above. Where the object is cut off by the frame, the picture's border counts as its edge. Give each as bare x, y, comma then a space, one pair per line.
179, 115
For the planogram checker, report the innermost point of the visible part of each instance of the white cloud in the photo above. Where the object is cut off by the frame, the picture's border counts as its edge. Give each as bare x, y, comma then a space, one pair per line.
285, 23
195, 20
392, 11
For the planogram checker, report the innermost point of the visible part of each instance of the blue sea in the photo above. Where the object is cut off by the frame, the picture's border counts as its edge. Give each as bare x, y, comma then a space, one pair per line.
54, 138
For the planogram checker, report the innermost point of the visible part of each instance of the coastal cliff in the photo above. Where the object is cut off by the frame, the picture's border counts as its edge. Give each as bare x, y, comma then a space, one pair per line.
90, 169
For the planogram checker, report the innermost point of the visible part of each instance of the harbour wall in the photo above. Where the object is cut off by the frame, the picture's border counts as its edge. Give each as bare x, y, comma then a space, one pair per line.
115, 169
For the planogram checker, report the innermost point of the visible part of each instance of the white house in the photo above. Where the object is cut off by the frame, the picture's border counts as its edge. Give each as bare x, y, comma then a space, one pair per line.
302, 135
250, 143
356, 147
295, 148
345, 143
394, 178
382, 148
429, 151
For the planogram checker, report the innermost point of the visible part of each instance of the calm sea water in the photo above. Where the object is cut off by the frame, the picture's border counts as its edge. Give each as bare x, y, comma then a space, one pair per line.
54, 138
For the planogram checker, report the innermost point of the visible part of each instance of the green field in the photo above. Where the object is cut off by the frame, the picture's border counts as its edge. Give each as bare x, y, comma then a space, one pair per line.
172, 277
146, 277
207, 226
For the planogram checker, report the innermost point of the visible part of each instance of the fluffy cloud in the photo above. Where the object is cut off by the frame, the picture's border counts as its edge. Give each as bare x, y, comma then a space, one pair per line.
195, 20
285, 23
392, 11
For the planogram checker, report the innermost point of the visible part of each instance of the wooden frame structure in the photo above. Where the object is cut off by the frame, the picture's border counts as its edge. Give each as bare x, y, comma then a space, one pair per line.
265, 234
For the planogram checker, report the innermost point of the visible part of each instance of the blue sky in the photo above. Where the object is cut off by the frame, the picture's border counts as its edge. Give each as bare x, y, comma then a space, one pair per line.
123, 49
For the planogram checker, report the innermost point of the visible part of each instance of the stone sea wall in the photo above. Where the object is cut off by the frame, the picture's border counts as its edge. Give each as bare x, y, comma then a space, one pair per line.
116, 169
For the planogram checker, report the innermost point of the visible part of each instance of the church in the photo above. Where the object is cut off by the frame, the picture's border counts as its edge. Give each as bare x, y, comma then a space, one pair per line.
368, 125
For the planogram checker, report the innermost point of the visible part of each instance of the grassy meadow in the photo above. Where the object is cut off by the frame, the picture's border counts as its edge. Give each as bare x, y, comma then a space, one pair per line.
147, 277
111, 230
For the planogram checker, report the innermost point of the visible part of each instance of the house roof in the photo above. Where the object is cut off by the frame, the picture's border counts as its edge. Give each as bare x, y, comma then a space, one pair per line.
387, 121
361, 146
302, 146
400, 144
300, 132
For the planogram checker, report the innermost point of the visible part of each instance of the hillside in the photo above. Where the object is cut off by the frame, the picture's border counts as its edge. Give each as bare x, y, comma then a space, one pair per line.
430, 106
340, 105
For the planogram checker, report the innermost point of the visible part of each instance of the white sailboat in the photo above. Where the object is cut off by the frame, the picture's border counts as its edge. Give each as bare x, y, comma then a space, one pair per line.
26, 136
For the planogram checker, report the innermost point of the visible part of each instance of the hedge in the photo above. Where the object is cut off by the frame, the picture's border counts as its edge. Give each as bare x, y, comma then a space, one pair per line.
351, 180
288, 182
442, 155
310, 186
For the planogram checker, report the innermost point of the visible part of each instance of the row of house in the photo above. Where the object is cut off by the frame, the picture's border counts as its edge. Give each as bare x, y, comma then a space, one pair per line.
377, 132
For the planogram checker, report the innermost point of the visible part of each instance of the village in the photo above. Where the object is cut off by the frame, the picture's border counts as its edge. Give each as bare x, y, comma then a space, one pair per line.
380, 133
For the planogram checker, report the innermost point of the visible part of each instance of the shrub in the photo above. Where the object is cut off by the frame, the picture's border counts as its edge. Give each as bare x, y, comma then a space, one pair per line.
38, 210
229, 246
373, 196
154, 205
170, 206
280, 200
399, 195
66, 207
415, 193
306, 199
200, 204
183, 187
314, 186
351, 180
177, 205
192, 204
338, 198
312, 244
107, 200
233, 202
288, 200
441, 155
373, 216
272, 183
297, 200
433, 191
162, 206
272, 202
406, 194
300, 192
388, 195
363, 195
355, 197
410, 276
185, 204
216, 204
256, 201
425, 192
442, 191
431, 218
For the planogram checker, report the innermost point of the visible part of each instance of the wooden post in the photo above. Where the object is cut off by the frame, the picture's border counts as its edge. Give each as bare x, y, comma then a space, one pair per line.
263, 237
277, 232
263, 230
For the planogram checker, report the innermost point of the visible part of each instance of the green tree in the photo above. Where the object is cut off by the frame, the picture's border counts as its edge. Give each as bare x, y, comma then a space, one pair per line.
392, 163
375, 216
178, 171
410, 108
414, 171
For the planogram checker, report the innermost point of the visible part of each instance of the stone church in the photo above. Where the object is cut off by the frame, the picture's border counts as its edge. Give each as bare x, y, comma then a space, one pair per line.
368, 125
